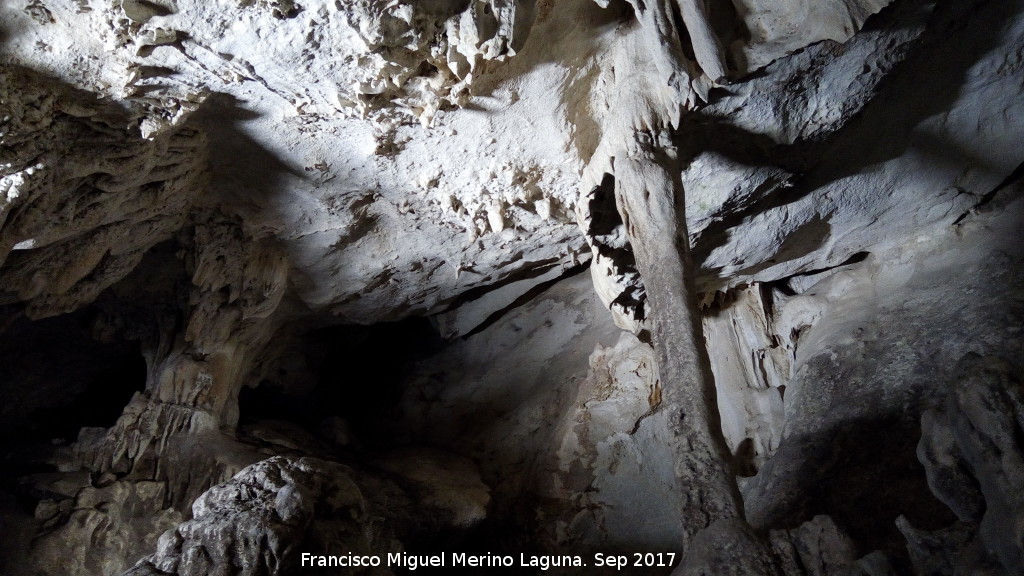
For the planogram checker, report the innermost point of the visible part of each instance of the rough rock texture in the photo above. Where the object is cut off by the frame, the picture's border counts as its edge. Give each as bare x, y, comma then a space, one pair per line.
84, 193
522, 428
829, 439
817, 547
283, 134
261, 520
98, 529
728, 546
752, 363
267, 515
288, 273
970, 447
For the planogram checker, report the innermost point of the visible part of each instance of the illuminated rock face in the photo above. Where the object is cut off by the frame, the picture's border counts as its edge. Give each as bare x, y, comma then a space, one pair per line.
277, 274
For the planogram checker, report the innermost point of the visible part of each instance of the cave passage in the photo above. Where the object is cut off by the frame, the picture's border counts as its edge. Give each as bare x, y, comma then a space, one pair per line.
57, 379
352, 372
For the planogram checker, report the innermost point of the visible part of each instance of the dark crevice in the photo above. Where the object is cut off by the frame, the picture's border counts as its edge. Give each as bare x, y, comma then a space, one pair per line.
607, 233
837, 469
728, 27
157, 9
782, 285
768, 300
535, 269
854, 259
525, 298
685, 42
604, 216
1016, 175
766, 290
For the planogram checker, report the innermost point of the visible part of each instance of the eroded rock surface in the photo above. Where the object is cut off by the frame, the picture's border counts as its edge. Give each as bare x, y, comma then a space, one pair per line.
261, 520
797, 218
264, 518
970, 447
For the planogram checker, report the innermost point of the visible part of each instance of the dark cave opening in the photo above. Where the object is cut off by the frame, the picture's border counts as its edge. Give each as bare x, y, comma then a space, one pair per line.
352, 372
58, 378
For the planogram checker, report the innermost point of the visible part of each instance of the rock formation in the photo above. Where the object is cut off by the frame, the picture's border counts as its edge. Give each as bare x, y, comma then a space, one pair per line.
286, 279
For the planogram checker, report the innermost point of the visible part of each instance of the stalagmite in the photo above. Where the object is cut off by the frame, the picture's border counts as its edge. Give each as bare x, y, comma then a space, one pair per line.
650, 198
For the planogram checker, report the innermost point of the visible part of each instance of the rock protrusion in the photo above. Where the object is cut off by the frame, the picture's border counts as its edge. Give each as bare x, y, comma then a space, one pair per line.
972, 448
261, 521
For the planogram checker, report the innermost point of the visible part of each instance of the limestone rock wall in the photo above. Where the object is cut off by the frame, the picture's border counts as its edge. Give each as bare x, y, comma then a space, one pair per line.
797, 217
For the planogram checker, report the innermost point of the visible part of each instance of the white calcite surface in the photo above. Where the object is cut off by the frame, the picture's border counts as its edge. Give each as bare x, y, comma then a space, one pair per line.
797, 216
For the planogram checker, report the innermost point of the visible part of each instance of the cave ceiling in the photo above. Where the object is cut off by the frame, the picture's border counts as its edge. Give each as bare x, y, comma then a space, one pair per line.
645, 272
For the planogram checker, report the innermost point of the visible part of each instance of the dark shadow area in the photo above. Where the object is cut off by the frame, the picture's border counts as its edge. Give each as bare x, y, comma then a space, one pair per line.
853, 410
88, 364
927, 83
359, 373
243, 173
56, 378
987, 199
809, 237
863, 473
354, 373
539, 268
61, 374
606, 232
